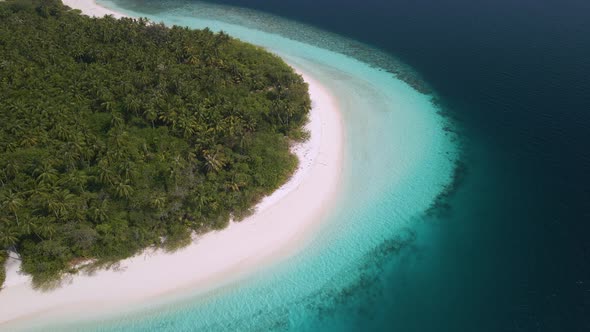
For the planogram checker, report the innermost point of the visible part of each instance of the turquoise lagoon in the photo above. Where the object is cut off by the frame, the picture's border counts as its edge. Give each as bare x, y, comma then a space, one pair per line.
399, 159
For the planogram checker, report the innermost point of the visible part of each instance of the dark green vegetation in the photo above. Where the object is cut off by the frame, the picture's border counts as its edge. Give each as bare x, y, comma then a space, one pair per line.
117, 135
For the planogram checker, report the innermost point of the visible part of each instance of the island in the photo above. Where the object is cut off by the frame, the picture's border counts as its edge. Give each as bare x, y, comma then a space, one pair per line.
118, 135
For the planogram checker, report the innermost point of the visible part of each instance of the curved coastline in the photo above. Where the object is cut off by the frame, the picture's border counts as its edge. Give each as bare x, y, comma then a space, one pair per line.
282, 224
397, 158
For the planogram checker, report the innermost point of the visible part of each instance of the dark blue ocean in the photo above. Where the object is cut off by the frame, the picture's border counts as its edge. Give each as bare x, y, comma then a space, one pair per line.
514, 236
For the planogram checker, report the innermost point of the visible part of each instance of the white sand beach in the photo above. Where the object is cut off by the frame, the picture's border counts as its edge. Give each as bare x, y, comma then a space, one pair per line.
284, 222
90, 8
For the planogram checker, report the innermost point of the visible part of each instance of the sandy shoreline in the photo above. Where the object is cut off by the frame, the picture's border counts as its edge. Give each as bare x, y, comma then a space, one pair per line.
91, 8
283, 223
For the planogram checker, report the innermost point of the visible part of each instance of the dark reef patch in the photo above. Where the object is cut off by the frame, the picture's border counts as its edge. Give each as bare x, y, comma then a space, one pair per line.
441, 206
359, 283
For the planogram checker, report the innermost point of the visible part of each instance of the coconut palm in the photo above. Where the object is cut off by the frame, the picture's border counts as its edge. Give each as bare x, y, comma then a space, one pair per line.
12, 202
213, 160
46, 174
158, 202
59, 202
28, 225
46, 228
8, 237
123, 189
151, 115
99, 211
105, 173
133, 104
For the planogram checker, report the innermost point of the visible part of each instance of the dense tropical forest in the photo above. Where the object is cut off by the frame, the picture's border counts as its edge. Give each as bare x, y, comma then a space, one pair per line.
118, 135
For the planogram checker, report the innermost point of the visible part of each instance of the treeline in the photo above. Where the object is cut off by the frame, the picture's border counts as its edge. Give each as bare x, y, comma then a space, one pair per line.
117, 135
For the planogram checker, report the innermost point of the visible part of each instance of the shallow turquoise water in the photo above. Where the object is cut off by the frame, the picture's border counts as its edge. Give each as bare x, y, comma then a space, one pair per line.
398, 160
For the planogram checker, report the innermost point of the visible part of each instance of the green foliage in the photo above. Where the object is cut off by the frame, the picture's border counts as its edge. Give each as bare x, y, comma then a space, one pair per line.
117, 135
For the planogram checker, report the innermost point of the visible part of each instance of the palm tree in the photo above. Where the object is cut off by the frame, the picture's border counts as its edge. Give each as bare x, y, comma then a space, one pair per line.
59, 202
116, 120
8, 237
118, 138
234, 125
127, 168
105, 174
12, 167
28, 141
123, 189
46, 228
203, 201
63, 133
187, 124
213, 161
95, 146
233, 186
151, 115
194, 59
28, 225
169, 117
12, 202
158, 202
46, 174
99, 212
76, 180
133, 104
11, 147
70, 154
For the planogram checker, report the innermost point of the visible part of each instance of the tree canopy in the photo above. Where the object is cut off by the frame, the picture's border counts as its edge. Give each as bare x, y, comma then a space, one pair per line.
121, 134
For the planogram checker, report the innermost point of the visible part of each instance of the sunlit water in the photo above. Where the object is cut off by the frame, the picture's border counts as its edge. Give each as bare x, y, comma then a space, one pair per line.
400, 156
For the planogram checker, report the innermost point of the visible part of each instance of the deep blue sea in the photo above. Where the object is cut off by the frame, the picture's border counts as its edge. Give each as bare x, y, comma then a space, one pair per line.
514, 243
507, 246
